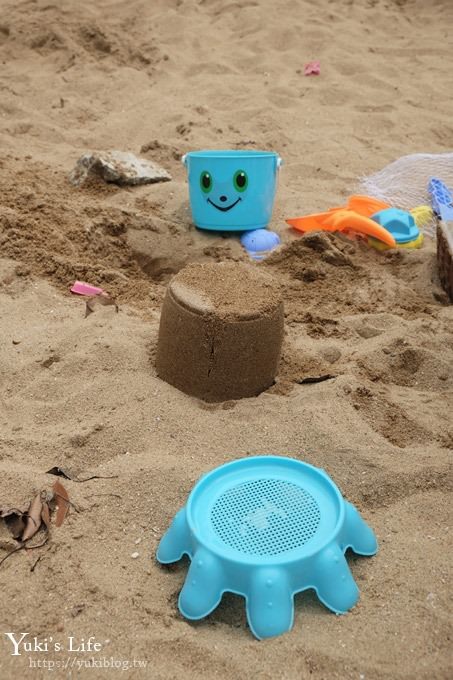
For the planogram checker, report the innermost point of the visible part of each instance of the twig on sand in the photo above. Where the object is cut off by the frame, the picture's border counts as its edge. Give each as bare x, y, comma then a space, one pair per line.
24, 546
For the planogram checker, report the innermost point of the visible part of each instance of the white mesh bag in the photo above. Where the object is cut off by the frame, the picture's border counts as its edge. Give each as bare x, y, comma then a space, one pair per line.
404, 183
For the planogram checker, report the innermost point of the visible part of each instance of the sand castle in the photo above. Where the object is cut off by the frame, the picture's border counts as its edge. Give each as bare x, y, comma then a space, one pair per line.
221, 331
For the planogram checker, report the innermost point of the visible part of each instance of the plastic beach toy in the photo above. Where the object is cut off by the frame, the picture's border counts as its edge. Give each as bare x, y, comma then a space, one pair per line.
266, 528
260, 242
82, 288
354, 217
441, 199
366, 205
422, 215
401, 225
232, 190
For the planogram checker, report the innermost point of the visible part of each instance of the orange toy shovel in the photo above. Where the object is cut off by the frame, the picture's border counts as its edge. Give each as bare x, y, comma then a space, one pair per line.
353, 218
366, 205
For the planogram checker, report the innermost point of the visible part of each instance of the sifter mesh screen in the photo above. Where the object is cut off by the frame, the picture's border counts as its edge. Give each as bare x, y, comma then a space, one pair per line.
265, 517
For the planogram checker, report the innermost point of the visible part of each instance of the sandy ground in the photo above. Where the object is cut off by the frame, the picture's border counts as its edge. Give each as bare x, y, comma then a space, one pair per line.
162, 78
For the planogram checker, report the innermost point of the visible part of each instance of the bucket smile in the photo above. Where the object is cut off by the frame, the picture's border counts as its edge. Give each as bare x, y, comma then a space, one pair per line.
226, 208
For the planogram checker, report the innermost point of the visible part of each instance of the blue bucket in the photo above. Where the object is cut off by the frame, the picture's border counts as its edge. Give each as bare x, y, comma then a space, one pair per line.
232, 190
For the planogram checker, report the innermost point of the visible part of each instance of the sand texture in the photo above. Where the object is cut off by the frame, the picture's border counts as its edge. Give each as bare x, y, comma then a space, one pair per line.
159, 79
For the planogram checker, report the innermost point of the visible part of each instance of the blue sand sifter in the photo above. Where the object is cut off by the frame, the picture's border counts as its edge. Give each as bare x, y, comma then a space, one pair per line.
266, 528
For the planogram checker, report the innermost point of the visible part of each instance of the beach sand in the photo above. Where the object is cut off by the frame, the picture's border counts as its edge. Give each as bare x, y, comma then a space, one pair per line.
159, 79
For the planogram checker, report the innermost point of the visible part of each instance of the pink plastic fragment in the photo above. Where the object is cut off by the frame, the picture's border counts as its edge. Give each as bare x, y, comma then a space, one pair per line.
313, 68
81, 288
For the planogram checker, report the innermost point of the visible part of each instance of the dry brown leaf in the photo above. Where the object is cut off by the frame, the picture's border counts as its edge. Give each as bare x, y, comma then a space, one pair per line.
62, 501
68, 474
33, 519
102, 299
23, 524
45, 514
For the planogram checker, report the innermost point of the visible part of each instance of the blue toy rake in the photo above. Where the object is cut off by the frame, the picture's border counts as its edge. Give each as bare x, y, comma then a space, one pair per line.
266, 528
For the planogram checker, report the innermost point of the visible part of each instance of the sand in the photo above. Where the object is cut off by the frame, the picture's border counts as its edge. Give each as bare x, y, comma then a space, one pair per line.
160, 79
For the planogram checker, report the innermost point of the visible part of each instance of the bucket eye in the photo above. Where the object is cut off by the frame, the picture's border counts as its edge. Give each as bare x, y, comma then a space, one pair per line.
240, 180
205, 182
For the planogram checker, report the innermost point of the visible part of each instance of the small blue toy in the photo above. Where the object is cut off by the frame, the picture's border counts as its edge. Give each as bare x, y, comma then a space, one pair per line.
260, 242
402, 227
232, 190
399, 223
266, 528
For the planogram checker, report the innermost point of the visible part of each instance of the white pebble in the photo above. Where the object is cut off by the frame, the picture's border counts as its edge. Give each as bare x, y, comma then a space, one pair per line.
135, 555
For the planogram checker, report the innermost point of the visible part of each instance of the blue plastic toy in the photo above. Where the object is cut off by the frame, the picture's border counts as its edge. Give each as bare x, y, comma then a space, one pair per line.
232, 190
441, 199
260, 242
399, 223
266, 528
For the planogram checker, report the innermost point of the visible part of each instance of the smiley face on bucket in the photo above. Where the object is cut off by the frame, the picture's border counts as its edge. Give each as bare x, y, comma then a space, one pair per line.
224, 196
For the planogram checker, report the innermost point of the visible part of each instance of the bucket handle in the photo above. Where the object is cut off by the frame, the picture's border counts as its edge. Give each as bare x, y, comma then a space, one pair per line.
184, 159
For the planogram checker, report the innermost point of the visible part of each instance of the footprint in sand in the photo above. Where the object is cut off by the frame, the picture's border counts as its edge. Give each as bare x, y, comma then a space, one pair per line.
408, 366
388, 419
